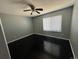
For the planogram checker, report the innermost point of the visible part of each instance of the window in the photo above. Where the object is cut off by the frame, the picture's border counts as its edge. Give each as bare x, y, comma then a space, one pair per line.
52, 23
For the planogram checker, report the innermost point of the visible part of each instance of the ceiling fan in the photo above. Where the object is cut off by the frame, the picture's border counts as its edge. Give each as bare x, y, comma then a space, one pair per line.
33, 9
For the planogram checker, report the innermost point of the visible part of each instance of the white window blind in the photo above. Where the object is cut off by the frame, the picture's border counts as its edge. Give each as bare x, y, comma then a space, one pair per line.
52, 23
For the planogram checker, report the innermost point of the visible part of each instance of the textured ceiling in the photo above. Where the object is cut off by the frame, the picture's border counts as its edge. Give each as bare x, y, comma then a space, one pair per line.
16, 7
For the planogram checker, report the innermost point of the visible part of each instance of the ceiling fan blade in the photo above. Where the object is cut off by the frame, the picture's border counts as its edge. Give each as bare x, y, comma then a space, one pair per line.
31, 13
27, 10
38, 12
31, 6
40, 9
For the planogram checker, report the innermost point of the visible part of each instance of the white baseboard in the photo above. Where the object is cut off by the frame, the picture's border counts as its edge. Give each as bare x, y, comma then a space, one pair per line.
19, 38
37, 34
52, 36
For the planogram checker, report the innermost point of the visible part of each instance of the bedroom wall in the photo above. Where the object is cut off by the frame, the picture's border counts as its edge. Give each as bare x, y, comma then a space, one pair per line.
3, 47
16, 26
66, 23
74, 29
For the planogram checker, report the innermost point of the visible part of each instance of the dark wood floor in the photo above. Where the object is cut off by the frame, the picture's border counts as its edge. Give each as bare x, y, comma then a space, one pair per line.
40, 47
40, 55
44, 55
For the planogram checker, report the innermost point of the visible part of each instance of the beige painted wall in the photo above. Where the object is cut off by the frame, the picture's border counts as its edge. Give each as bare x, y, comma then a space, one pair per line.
74, 29
4, 54
16, 26
66, 23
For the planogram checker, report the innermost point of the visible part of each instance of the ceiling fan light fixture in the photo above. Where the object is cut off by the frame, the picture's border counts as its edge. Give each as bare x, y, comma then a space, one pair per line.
33, 9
